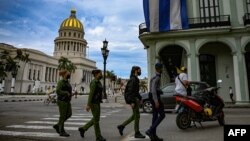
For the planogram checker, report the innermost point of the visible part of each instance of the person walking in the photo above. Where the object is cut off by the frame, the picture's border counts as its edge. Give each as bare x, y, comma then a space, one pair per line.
133, 98
231, 94
64, 94
158, 107
94, 100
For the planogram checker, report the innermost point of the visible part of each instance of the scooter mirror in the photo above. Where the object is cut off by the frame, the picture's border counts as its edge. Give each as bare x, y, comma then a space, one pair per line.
219, 81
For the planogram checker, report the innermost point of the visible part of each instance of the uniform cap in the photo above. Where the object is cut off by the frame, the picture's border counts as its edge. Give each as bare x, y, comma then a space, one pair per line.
158, 65
96, 71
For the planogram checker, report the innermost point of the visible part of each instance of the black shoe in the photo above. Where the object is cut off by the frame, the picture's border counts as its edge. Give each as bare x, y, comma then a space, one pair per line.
139, 135
101, 139
82, 131
156, 138
64, 134
56, 127
150, 135
120, 128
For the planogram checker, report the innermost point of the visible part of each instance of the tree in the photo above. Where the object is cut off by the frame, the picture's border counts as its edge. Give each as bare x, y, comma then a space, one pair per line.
3, 57
66, 64
24, 58
3, 73
110, 75
143, 86
12, 65
112, 78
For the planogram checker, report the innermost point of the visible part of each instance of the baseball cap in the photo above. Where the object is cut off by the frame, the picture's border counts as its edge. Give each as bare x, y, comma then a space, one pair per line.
158, 65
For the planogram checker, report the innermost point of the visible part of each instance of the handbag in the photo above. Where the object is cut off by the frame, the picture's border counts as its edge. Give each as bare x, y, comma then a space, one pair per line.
188, 89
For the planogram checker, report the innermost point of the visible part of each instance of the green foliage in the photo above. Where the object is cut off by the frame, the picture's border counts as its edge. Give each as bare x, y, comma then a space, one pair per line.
9, 64
66, 64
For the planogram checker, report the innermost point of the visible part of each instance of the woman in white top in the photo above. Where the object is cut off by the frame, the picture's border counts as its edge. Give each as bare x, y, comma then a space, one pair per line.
181, 82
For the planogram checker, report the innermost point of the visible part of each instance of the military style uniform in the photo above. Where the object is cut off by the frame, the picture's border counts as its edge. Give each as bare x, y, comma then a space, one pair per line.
132, 96
63, 101
94, 100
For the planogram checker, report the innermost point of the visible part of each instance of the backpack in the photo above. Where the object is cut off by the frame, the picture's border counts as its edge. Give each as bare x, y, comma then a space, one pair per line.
127, 95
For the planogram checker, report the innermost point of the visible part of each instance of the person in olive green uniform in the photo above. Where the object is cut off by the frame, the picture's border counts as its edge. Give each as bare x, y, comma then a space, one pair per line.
133, 98
94, 100
64, 93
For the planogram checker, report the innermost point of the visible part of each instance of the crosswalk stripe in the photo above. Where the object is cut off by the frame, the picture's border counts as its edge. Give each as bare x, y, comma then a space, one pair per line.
52, 123
70, 119
46, 124
39, 127
82, 116
30, 134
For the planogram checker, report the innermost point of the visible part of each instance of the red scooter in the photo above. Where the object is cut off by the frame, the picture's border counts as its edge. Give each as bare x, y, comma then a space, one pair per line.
205, 106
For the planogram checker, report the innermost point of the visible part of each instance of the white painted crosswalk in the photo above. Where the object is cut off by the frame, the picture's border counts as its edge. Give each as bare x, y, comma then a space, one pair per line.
53, 122
29, 134
43, 127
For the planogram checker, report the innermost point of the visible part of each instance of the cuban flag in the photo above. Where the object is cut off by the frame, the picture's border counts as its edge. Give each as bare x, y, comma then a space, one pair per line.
165, 15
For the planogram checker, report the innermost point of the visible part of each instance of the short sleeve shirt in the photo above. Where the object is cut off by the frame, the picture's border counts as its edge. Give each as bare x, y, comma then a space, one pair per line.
180, 89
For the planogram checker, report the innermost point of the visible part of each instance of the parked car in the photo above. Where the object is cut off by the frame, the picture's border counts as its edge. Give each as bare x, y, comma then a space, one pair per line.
168, 97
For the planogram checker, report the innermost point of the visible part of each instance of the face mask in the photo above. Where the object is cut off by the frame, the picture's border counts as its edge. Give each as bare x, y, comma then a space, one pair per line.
139, 73
68, 77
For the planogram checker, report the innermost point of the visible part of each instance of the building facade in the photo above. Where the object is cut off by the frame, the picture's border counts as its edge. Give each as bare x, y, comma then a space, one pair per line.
42, 71
216, 46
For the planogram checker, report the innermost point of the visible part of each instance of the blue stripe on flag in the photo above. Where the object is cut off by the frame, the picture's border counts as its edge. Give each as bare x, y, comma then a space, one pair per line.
184, 16
164, 15
146, 13
164, 12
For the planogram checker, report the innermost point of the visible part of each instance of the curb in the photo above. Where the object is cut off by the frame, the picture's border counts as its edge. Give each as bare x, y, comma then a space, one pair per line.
24, 100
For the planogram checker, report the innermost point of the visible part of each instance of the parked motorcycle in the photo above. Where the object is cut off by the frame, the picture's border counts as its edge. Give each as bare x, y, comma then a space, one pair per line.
205, 106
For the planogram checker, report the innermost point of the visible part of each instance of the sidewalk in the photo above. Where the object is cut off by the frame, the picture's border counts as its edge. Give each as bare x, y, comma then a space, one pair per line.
21, 98
113, 101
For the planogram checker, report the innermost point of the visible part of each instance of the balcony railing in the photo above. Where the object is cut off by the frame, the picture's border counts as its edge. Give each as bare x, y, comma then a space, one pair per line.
246, 19
201, 22
217, 21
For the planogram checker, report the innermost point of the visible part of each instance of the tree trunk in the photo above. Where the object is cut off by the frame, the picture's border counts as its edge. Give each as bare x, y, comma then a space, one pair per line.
22, 79
3, 84
12, 84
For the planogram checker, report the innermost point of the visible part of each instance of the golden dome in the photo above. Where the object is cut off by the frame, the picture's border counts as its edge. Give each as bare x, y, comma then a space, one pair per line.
72, 22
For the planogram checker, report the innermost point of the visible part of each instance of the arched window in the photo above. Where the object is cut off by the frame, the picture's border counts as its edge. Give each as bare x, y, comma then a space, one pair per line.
207, 69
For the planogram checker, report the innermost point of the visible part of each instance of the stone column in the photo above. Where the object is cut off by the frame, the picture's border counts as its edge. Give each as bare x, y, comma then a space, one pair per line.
192, 62
240, 74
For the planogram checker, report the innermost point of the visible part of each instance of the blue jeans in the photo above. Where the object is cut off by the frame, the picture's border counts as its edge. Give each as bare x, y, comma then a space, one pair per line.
158, 116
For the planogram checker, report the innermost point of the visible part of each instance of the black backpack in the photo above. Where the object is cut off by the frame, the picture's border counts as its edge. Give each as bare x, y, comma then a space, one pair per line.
127, 95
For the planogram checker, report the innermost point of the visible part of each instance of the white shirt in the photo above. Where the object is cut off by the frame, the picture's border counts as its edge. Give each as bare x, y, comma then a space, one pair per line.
179, 88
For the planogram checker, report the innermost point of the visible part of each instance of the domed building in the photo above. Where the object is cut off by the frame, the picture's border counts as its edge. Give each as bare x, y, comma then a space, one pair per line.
71, 42
42, 72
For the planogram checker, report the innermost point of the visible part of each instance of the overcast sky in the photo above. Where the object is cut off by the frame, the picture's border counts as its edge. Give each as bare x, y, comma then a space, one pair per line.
35, 24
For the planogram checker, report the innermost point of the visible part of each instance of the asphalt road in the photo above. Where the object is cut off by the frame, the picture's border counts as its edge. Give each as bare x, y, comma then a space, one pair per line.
32, 121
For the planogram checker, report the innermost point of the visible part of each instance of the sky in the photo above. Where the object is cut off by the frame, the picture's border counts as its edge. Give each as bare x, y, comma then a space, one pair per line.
35, 24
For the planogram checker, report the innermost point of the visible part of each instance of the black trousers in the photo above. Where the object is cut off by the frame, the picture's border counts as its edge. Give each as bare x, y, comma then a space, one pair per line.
158, 116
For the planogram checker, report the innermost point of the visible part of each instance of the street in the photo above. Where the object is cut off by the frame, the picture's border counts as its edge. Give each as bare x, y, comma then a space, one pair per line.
32, 120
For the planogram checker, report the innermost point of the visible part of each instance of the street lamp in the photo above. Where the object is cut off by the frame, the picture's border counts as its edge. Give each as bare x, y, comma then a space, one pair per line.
105, 53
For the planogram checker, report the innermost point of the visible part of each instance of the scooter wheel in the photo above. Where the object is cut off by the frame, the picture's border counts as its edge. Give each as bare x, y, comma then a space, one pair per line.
221, 119
182, 120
